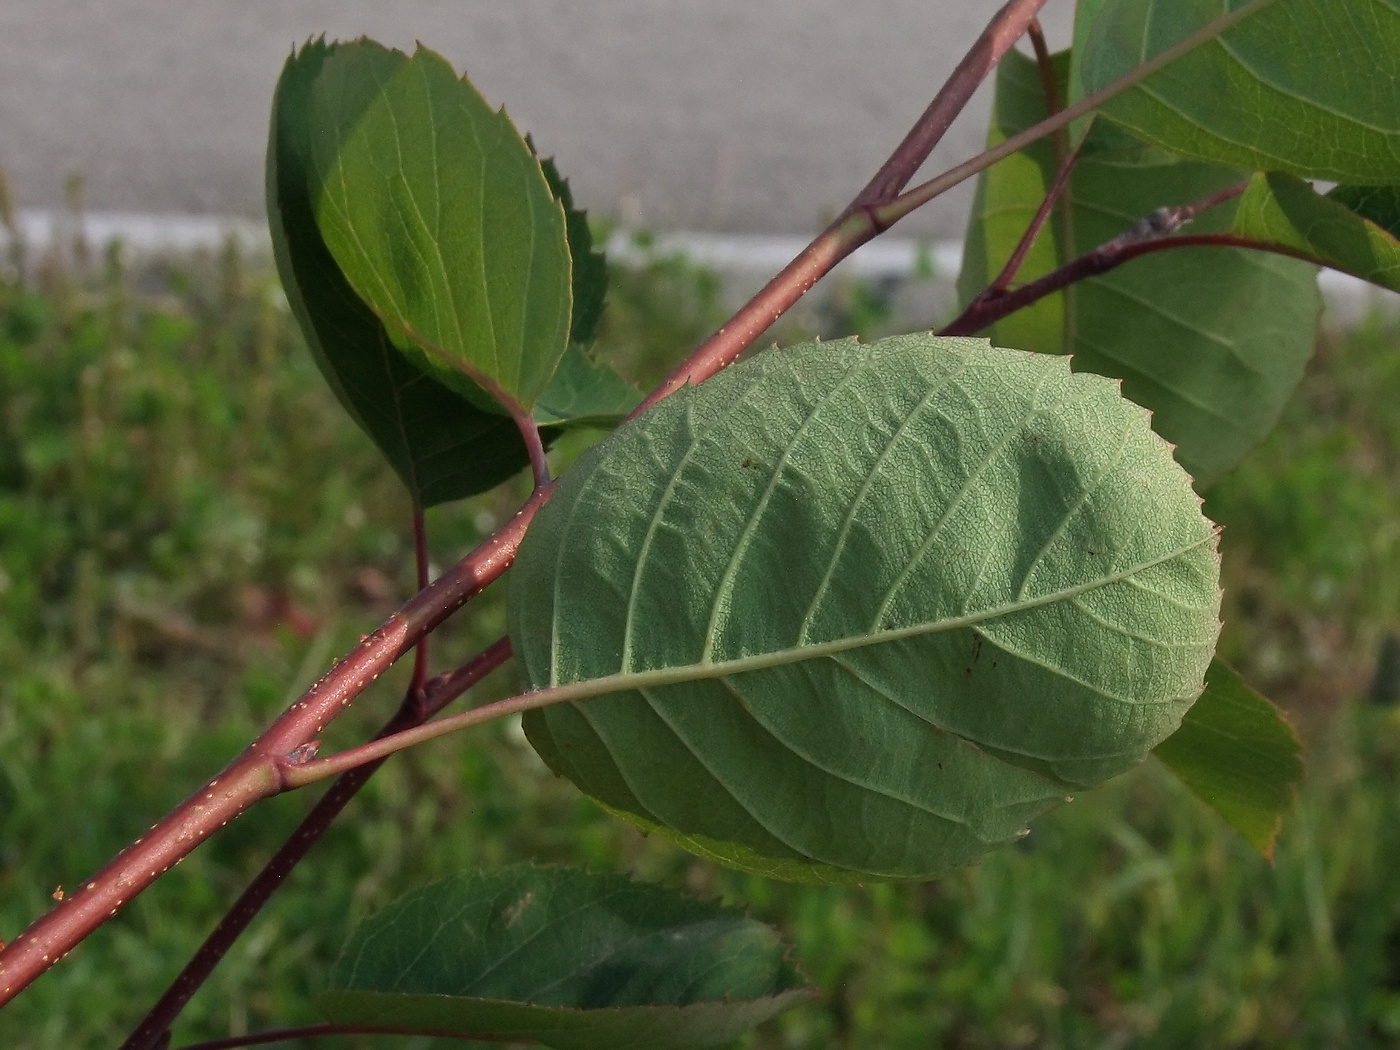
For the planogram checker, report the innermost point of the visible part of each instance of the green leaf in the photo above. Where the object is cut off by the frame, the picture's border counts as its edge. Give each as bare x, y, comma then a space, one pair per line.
1213, 340
442, 446
566, 958
1376, 204
1310, 87
856, 609
1283, 210
442, 220
585, 393
1237, 753
590, 267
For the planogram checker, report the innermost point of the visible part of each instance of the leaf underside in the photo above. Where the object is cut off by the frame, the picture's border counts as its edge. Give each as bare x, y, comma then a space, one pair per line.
1310, 87
1212, 340
1239, 755
881, 605
1284, 210
568, 958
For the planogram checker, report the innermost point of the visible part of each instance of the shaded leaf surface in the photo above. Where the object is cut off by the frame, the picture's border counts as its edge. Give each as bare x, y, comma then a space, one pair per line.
1237, 753
1284, 210
1213, 340
441, 445
569, 958
1310, 87
442, 220
868, 609
589, 278
585, 392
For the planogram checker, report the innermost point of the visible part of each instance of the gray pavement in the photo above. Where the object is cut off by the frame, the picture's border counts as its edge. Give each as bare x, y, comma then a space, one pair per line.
739, 116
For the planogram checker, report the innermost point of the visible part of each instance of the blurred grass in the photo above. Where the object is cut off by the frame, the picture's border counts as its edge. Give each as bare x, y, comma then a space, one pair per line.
190, 529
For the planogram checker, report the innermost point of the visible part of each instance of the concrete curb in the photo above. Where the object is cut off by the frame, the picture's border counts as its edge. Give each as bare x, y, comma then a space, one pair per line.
742, 259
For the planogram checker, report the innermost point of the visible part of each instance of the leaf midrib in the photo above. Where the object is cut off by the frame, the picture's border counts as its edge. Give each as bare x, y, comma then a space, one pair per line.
709, 669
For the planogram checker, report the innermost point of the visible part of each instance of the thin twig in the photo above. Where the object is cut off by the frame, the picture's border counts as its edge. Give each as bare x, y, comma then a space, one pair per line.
418, 706
253, 774
1048, 87
256, 773
1037, 223
1006, 27
420, 560
860, 222
887, 215
1102, 259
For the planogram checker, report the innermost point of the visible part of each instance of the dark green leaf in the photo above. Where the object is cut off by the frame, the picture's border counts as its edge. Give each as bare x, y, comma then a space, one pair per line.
1377, 204
441, 445
590, 268
584, 393
441, 219
858, 609
1310, 87
1283, 210
1213, 340
566, 958
1237, 752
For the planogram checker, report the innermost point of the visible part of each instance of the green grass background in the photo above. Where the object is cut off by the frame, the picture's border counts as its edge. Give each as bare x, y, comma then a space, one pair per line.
190, 530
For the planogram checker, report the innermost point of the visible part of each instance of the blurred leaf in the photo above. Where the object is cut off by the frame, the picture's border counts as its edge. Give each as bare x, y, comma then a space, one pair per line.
1212, 340
441, 219
441, 445
1283, 210
585, 393
1239, 755
1377, 204
563, 957
866, 608
1310, 87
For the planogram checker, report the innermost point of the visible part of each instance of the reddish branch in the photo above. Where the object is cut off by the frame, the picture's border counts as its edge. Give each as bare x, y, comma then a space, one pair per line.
860, 222
1006, 27
419, 705
253, 775
1155, 233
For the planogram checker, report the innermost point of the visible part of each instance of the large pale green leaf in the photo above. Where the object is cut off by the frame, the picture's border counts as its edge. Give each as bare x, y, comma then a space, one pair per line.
442, 446
1310, 87
866, 609
1284, 210
566, 958
1237, 753
442, 220
1213, 340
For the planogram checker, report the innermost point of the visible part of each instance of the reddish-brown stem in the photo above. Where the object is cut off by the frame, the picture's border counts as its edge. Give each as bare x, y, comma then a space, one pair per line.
1006, 27
890, 213
534, 444
420, 561
419, 704
1037, 223
1099, 261
1048, 86
860, 222
253, 774
996, 302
